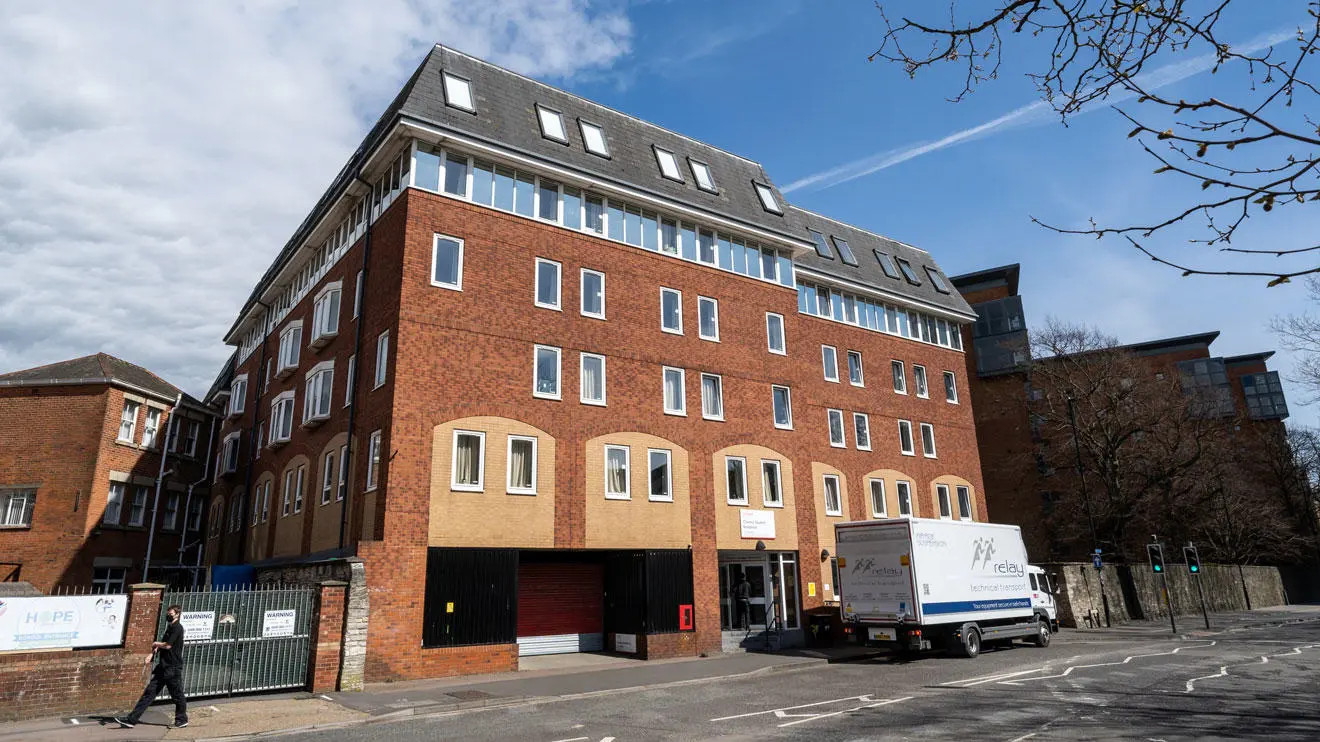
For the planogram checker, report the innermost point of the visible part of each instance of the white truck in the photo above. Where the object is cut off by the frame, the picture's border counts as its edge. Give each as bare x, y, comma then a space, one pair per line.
914, 583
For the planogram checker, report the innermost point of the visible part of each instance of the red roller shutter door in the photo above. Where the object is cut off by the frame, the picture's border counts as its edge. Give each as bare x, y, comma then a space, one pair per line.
560, 608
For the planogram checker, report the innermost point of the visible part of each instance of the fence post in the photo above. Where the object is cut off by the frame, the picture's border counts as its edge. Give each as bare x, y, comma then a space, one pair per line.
328, 625
144, 607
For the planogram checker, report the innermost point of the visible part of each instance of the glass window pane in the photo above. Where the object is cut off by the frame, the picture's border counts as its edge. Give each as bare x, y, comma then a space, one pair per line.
547, 371
734, 469
428, 170
504, 188
669, 236
572, 208
615, 221
447, 253
548, 201
670, 311
739, 257
632, 220
770, 482
706, 242
593, 378
649, 227
595, 215
456, 175
660, 475
753, 261
523, 188
712, 397
688, 244
674, 401
724, 251
483, 182
520, 464
769, 264
785, 270
547, 283
783, 412
593, 293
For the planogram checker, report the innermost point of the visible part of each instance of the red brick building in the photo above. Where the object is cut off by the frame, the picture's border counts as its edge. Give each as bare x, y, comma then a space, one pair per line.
747, 374
98, 452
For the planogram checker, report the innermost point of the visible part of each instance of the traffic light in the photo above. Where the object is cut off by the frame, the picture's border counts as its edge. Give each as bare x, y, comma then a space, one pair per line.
1156, 554
1193, 559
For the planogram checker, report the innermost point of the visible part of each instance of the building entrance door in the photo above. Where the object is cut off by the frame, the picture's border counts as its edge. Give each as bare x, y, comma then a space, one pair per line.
732, 609
771, 590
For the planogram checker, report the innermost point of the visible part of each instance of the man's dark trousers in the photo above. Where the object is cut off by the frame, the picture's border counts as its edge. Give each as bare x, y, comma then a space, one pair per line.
171, 678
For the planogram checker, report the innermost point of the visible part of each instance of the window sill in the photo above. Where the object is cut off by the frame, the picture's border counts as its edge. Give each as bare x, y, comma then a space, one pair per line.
313, 422
838, 445
776, 505
774, 352
552, 307
709, 339
864, 448
828, 514
676, 413
859, 385
622, 498
713, 419
600, 317
594, 403
521, 493
464, 488
551, 397
737, 503
276, 443
783, 427
832, 381
669, 499
929, 456
19, 527
323, 340
671, 332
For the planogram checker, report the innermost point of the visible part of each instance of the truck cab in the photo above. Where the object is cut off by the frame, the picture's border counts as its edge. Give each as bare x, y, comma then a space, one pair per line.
1042, 596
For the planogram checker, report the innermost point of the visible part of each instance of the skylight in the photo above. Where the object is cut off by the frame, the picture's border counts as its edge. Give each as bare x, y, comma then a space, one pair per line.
908, 273
594, 139
552, 124
886, 264
937, 280
668, 165
767, 196
845, 252
701, 171
458, 92
822, 247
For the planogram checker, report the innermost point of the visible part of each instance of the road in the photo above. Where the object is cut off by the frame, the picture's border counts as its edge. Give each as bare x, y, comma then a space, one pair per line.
1255, 683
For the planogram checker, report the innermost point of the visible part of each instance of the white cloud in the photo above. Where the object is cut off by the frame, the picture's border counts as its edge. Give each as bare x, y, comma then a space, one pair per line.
154, 157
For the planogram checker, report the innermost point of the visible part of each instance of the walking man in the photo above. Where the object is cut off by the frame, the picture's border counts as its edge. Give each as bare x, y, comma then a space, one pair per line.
742, 595
168, 672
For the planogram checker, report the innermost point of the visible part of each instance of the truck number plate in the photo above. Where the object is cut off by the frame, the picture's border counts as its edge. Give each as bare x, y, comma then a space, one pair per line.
881, 634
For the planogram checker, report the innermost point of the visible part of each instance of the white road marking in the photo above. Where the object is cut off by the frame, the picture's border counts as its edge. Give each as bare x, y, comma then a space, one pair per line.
791, 708
845, 711
969, 682
1264, 659
1222, 672
1025, 736
573, 739
1070, 668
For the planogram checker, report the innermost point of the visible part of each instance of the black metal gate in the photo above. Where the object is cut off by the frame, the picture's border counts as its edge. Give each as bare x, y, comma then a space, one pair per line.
242, 641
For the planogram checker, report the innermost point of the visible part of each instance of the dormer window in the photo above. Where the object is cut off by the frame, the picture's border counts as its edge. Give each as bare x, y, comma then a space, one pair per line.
701, 172
886, 264
845, 252
937, 280
822, 247
458, 92
668, 164
768, 200
552, 124
593, 137
908, 273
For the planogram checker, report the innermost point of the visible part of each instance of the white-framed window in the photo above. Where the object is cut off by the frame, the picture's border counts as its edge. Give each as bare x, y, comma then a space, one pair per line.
261, 439
774, 333
547, 284
341, 488
190, 436
128, 421
300, 488
287, 507
618, 473
151, 428
735, 469
290, 347
357, 295
265, 500
964, 503
458, 92
768, 200
904, 497
701, 173
833, 499
265, 384
281, 417
446, 264
837, 435
238, 395
348, 380
928, 440
593, 294
552, 124
905, 438
855, 376
229, 453
675, 391
900, 378
782, 402
521, 465
661, 477
919, 378
108, 580
946, 506
114, 503
137, 510
829, 359
327, 477
325, 313
671, 311
772, 485
668, 164
545, 372
382, 359
16, 507
593, 138
373, 461
862, 431
592, 377
950, 388
468, 472
712, 397
195, 514
879, 508
708, 318
320, 386
256, 505
235, 514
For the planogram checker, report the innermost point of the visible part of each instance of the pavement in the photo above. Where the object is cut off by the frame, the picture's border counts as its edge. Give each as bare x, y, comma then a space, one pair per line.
555, 698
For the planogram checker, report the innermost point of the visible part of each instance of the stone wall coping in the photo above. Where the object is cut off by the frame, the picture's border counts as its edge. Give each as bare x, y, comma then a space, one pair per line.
146, 586
332, 583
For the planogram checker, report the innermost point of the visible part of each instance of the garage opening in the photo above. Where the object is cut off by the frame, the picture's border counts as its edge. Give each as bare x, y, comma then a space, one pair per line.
561, 604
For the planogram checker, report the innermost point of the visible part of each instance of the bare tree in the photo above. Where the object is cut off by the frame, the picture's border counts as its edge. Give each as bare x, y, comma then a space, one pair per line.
1300, 333
1248, 150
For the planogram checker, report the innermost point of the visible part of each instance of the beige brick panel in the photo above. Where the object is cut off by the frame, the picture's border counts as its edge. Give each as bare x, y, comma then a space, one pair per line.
728, 522
825, 523
638, 522
891, 478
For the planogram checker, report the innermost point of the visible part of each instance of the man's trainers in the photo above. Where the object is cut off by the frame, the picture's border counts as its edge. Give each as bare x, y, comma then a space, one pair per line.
123, 723
180, 724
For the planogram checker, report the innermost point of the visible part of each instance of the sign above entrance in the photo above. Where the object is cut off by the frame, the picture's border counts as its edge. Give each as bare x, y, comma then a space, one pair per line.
757, 523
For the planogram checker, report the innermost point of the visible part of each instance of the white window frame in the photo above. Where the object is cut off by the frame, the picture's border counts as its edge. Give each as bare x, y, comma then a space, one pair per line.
341, 487
931, 453
348, 380
962, 491
238, 395
627, 478
668, 496
227, 446
300, 489
861, 370
454, 484
382, 360
788, 395
357, 292
782, 350
373, 461
672, 331
728, 496
190, 437
838, 493
604, 150
150, 432
118, 503
779, 483
903, 490
582, 379
950, 376
311, 392
290, 349
911, 450
767, 198
943, 502
681, 410
707, 183
719, 382
559, 372
900, 387
704, 301
542, 112
843, 429
558, 304
435, 251
508, 464
327, 478
280, 406
9, 496
141, 518
883, 512
829, 361
668, 164
128, 415
856, 438
920, 381
322, 332
286, 504
452, 98
582, 299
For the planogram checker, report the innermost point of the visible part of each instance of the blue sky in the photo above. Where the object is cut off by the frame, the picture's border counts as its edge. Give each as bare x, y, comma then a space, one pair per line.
154, 158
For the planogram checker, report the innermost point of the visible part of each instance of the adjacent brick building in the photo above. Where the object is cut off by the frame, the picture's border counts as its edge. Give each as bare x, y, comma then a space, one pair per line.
746, 373
82, 481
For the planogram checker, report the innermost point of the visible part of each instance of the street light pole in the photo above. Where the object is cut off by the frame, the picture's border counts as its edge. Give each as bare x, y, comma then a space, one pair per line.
1086, 499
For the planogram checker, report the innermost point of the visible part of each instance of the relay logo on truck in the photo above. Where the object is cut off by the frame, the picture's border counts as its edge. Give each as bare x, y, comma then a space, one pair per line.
983, 554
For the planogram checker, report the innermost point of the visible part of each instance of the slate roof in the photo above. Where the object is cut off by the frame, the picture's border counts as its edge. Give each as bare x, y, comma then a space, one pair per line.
868, 270
99, 368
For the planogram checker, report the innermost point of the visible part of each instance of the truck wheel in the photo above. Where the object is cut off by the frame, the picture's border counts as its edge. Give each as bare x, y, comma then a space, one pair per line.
1042, 637
971, 643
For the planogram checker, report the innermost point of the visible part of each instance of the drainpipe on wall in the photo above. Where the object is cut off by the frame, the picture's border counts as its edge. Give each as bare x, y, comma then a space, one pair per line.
187, 505
357, 365
160, 479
